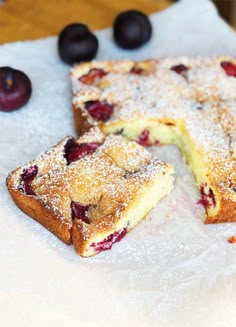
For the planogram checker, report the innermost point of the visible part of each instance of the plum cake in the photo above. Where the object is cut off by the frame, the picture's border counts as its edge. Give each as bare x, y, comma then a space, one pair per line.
189, 102
92, 190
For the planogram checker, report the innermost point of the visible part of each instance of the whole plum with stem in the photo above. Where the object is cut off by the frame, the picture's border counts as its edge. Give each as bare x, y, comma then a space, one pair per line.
15, 89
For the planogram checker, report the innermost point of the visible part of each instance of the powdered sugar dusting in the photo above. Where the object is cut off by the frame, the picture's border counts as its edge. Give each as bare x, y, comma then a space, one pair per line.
201, 101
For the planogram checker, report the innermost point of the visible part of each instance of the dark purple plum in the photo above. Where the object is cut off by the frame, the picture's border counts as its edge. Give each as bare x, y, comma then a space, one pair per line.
94, 75
15, 89
179, 69
27, 177
76, 43
132, 29
99, 110
229, 68
75, 151
136, 71
107, 243
79, 211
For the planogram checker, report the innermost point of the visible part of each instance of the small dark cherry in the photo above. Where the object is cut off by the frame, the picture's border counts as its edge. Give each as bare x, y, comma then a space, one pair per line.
132, 29
76, 43
15, 89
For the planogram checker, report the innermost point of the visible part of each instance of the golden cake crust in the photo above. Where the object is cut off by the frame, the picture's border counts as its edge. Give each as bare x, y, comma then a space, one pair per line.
153, 102
36, 210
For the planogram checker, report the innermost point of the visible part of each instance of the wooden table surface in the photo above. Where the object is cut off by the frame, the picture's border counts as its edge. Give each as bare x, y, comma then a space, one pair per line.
30, 19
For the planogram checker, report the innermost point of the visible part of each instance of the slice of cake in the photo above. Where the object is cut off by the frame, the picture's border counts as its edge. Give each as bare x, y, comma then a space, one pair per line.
189, 102
91, 191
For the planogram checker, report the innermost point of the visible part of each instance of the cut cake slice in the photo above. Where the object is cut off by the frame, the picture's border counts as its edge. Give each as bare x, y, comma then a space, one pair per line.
92, 190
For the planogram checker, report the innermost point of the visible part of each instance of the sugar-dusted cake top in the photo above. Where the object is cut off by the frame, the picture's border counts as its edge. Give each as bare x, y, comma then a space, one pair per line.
198, 95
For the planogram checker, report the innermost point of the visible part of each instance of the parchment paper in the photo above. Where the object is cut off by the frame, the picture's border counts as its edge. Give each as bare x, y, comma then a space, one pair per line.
171, 270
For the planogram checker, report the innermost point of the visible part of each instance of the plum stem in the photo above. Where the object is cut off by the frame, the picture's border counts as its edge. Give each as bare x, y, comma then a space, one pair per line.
8, 79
